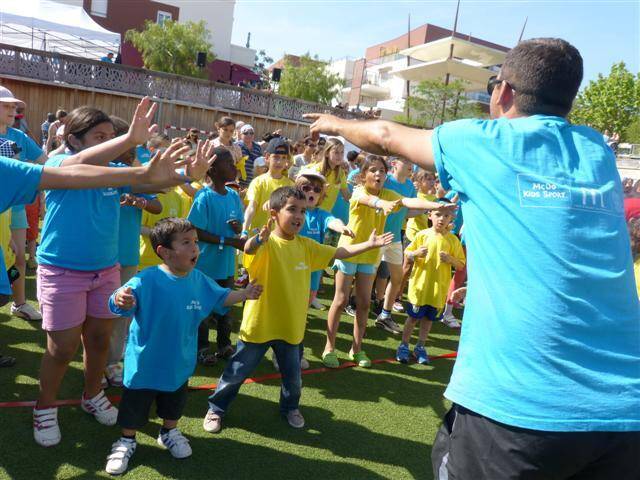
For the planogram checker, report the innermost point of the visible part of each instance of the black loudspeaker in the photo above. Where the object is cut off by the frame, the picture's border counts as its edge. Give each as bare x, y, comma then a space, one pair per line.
275, 74
201, 61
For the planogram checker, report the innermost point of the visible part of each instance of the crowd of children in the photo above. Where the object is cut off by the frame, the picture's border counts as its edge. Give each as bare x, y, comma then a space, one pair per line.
139, 270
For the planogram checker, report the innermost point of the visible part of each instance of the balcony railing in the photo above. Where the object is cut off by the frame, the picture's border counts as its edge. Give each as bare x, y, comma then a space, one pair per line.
74, 71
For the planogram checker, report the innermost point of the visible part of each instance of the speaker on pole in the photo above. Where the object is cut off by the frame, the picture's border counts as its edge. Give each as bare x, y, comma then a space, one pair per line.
275, 74
201, 60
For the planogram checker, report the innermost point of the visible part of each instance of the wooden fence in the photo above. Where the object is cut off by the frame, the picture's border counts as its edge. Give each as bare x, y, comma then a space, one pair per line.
47, 81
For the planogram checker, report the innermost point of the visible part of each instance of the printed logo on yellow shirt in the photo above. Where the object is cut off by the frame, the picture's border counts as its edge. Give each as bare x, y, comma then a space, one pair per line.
194, 305
301, 266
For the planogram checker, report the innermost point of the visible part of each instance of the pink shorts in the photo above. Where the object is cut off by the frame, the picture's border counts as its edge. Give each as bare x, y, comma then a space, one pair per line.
68, 297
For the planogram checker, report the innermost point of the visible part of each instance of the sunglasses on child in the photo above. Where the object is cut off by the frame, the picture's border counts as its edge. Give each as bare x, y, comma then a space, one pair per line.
307, 188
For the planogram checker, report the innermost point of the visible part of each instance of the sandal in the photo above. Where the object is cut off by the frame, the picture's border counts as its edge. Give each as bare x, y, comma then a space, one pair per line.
330, 360
6, 361
206, 358
360, 359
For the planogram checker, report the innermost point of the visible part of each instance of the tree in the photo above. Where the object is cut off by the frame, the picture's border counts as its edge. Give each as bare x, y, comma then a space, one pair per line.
425, 105
609, 103
260, 67
632, 133
173, 47
310, 80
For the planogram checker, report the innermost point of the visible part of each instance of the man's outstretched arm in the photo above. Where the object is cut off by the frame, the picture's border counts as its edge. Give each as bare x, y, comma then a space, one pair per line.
378, 136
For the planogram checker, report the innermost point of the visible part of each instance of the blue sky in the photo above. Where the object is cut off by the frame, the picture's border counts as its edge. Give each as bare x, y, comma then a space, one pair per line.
605, 31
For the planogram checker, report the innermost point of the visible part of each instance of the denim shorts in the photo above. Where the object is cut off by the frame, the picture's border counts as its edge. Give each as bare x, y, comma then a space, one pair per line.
349, 268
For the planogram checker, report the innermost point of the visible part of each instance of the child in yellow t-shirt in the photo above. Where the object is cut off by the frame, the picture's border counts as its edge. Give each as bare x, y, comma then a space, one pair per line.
261, 187
434, 251
282, 261
332, 168
173, 205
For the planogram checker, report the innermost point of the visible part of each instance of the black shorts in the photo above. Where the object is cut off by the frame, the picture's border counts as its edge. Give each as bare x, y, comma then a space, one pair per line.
470, 446
135, 405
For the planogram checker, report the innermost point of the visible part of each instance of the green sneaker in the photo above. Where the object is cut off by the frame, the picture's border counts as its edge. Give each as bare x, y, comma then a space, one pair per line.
330, 360
360, 359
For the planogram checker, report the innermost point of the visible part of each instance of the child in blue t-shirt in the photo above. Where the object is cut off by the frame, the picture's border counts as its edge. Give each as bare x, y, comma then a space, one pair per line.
168, 302
217, 214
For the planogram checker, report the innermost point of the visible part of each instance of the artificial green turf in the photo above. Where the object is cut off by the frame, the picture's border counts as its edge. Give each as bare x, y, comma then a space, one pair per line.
373, 423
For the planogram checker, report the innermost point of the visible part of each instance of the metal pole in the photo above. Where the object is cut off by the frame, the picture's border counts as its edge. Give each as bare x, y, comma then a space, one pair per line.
447, 77
522, 31
408, 86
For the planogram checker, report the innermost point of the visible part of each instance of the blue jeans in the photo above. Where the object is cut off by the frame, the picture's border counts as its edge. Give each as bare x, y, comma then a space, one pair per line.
244, 362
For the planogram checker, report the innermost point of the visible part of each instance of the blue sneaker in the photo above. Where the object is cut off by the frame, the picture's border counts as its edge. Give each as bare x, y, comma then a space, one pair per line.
420, 353
403, 353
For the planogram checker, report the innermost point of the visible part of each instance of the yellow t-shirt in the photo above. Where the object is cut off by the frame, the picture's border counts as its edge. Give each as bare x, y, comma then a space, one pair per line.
430, 277
173, 205
5, 239
636, 271
260, 189
283, 268
333, 186
362, 220
420, 222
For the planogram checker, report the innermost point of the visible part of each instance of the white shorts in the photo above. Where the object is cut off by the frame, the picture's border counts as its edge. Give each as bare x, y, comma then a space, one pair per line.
393, 253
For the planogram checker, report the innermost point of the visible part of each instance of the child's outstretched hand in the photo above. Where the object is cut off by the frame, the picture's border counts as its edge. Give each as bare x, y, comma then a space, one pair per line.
388, 206
376, 241
125, 298
162, 168
265, 231
447, 208
141, 128
202, 160
252, 291
348, 232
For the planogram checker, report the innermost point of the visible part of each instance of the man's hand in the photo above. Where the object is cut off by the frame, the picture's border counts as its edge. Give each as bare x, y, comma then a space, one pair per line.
141, 128
125, 298
420, 252
376, 241
322, 123
447, 209
252, 291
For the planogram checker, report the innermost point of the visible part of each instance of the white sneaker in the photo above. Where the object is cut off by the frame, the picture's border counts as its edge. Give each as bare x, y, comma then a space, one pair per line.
26, 311
398, 307
176, 443
304, 364
451, 321
118, 459
295, 418
46, 431
315, 303
113, 373
101, 408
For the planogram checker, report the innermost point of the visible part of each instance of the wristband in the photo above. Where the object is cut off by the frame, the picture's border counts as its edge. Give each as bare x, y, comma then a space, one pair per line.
244, 233
258, 241
221, 243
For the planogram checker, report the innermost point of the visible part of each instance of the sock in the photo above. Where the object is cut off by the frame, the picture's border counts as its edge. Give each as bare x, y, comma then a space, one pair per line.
129, 438
448, 310
385, 313
419, 344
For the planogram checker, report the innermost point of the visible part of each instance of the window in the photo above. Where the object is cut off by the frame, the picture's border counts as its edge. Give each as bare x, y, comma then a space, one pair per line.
162, 16
99, 7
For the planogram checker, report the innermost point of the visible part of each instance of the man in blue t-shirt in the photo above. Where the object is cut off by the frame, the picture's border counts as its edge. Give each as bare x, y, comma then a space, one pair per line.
547, 380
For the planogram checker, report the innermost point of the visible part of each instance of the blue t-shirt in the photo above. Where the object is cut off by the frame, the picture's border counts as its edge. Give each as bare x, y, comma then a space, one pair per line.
162, 344
143, 154
316, 224
80, 228
30, 151
18, 186
551, 337
395, 221
211, 212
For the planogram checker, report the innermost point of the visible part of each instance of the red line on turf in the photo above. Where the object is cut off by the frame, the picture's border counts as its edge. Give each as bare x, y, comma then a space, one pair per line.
211, 386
